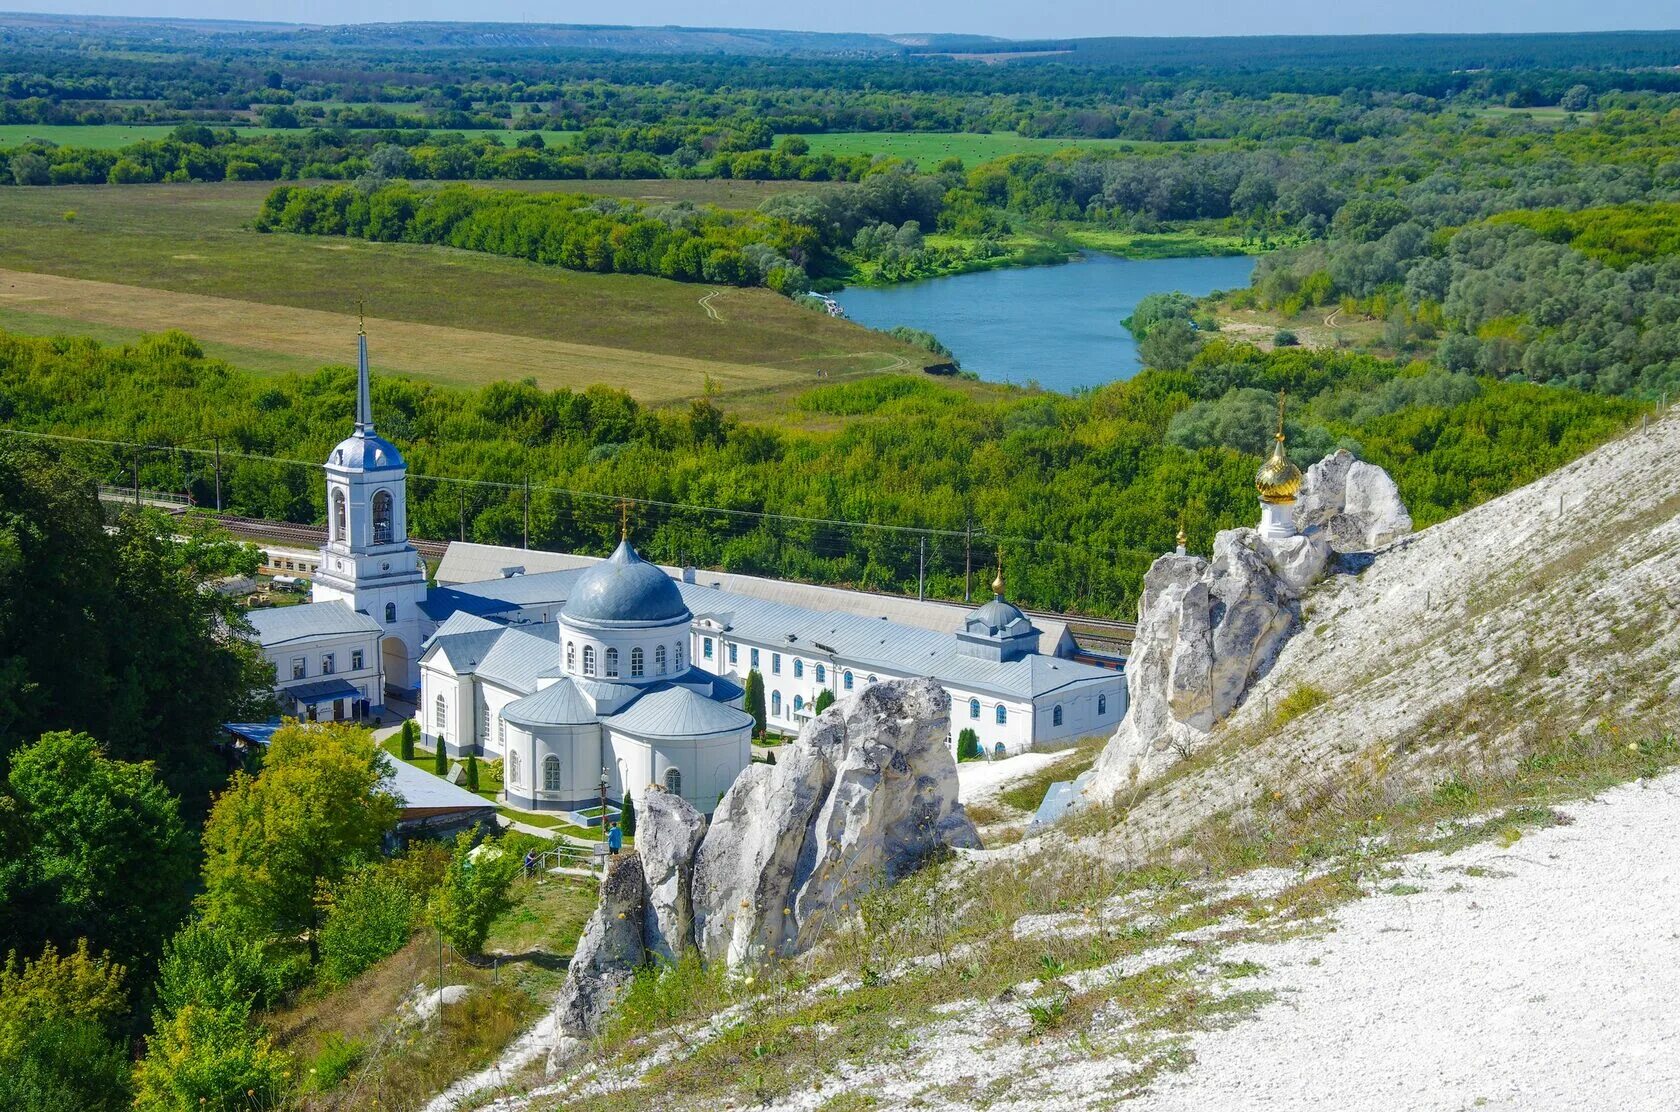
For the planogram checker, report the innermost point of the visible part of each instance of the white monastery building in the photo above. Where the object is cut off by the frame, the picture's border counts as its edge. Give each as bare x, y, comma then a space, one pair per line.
623, 672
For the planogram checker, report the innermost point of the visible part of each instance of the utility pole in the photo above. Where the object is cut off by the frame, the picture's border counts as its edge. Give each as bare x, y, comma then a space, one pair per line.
968, 560
218, 441
461, 501
136, 475
921, 570
527, 511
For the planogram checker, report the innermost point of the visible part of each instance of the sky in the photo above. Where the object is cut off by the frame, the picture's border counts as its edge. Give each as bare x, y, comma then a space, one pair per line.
1004, 18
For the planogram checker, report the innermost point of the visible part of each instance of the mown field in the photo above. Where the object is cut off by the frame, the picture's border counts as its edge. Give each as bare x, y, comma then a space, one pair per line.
972, 147
119, 260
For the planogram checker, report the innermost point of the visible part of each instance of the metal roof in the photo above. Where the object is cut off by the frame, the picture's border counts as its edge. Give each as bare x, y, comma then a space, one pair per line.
669, 711
558, 704
320, 691
363, 450
417, 789
467, 562
625, 590
283, 624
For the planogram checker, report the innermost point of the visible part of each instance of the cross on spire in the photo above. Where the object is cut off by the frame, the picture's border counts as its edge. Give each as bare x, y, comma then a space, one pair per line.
997, 584
624, 519
1281, 396
364, 391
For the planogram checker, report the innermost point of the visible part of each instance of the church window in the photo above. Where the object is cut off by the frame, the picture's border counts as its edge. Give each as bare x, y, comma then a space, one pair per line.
612, 663
501, 734
846, 679
636, 663
755, 658
551, 773
357, 660
300, 667
776, 703
1056, 715
339, 528
775, 664
382, 527
441, 714
390, 613
798, 669
1002, 715
513, 768
798, 702
872, 679
589, 660
328, 665
1102, 705
678, 665
659, 659
483, 722
673, 781
822, 674
571, 656
974, 708
706, 647
734, 651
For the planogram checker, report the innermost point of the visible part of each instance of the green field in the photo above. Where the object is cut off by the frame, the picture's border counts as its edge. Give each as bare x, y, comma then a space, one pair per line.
108, 137
149, 257
931, 146
1156, 245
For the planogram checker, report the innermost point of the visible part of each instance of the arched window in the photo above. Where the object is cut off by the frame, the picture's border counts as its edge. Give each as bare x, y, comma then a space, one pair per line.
340, 525
551, 773
571, 656
798, 669
589, 660
872, 679
776, 703
513, 768
1002, 715
441, 713
799, 702
390, 613
659, 659
636, 668
846, 679
974, 708
1056, 715
673, 781
382, 525
1102, 705
822, 674
612, 663
679, 664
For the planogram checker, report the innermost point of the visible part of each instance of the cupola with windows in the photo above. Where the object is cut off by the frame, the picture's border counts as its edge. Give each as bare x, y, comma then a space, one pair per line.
998, 630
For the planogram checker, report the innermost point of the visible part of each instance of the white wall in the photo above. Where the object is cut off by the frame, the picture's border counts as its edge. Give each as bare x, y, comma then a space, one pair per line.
370, 676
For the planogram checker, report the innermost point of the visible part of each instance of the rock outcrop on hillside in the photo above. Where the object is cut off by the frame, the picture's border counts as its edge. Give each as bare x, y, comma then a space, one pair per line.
1209, 630
867, 794
1354, 504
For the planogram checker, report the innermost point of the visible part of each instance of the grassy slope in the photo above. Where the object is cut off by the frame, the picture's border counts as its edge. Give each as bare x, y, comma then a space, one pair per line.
646, 335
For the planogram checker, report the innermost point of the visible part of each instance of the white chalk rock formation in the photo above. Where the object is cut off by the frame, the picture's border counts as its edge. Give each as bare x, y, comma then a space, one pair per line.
608, 953
866, 794
1355, 504
668, 832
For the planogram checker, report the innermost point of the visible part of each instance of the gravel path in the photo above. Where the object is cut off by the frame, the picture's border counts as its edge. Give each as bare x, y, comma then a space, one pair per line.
1549, 982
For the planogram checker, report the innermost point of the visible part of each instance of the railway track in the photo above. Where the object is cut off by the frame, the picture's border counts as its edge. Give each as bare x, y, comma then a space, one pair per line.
310, 536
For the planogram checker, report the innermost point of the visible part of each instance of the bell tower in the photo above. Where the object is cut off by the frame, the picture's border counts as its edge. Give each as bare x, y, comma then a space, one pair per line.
367, 561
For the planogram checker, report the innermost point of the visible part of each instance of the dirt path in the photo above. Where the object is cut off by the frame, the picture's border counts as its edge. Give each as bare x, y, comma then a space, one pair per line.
706, 304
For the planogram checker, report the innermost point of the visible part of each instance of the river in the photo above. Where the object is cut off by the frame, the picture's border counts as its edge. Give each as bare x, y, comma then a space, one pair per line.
1058, 325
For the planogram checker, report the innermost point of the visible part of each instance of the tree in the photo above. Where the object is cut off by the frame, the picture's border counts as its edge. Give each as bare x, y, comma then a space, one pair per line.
472, 772
627, 816
753, 698
98, 852
214, 967
824, 700
316, 810
29, 168
474, 891
968, 745
440, 758
210, 1058
367, 917
1169, 345
406, 737
57, 1021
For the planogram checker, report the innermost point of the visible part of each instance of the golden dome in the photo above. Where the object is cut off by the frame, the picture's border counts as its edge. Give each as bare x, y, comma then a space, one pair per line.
1278, 480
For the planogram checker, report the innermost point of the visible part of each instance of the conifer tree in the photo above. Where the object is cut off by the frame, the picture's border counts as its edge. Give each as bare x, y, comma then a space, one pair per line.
440, 758
406, 739
472, 772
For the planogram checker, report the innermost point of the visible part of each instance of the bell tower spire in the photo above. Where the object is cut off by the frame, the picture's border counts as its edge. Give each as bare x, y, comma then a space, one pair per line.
364, 393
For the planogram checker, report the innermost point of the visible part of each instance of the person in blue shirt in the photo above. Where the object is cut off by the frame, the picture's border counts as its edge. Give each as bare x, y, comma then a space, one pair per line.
615, 839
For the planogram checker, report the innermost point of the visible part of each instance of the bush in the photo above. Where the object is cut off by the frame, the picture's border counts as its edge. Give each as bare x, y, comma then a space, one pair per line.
440, 758
474, 891
65, 1063
370, 914
824, 700
968, 745
627, 816
209, 1059
217, 968
405, 740
472, 772
333, 1063
1284, 338
1302, 698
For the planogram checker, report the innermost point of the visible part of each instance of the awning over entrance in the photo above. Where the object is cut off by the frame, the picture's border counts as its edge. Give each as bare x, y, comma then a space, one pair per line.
321, 691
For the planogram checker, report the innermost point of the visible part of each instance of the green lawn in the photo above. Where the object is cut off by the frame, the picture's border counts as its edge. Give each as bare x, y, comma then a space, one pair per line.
1157, 245
971, 147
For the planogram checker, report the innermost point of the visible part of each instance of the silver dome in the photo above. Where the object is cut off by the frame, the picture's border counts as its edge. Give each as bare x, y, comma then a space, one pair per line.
624, 589
366, 452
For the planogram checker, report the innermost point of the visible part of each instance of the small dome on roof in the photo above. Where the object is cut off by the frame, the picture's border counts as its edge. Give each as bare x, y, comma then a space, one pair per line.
626, 589
366, 452
998, 617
